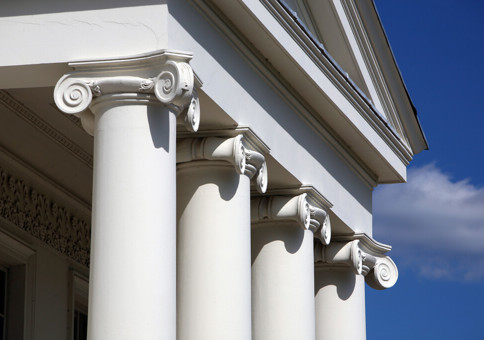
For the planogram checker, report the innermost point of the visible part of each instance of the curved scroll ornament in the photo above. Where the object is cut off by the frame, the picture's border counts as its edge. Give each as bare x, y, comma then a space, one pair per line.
304, 212
261, 179
326, 231
174, 85
239, 153
356, 258
321, 225
383, 275
192, 114
72, 95
256, 166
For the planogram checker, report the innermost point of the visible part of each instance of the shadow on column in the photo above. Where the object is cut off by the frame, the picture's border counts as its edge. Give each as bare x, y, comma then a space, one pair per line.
342, 278
265, 233
159, 122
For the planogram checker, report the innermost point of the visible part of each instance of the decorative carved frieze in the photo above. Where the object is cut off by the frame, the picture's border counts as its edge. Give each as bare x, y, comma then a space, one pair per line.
165, 77
44, 218
365, 257
232, 150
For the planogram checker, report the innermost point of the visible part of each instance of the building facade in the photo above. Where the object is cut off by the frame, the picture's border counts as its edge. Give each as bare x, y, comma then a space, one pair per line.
195, 169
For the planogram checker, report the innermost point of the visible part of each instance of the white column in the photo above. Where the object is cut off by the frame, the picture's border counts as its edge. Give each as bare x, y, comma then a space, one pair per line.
132, 116
213, 249
340, 304
340, 272
283, 230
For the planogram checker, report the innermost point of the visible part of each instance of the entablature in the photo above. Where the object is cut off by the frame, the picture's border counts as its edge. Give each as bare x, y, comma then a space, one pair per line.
292, 59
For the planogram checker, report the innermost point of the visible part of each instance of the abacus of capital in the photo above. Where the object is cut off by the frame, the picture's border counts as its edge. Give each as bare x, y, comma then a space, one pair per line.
182, 247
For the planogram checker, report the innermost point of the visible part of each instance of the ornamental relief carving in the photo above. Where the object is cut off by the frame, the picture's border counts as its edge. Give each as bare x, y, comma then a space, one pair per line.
173, 86
231, 150
44, 219
379, 270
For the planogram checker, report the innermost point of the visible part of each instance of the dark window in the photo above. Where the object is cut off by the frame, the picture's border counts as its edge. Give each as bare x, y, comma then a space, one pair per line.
80, 325
3, 302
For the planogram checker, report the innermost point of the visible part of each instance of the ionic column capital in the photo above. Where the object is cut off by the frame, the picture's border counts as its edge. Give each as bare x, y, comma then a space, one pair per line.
364, 255
281, 208
292, 208
232, 150
164, 77
340, 253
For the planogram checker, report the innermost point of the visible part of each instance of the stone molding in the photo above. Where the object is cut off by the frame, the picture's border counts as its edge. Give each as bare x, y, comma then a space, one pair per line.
163, 76
232, 150
272, 208
37, 122
44, 218
365, 257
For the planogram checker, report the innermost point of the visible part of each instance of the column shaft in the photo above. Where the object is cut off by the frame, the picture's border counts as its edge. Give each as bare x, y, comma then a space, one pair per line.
282, 282
133, 256
340, 304
213, 252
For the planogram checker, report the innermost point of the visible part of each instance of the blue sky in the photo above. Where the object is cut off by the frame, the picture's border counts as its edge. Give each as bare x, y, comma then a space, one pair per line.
435, 222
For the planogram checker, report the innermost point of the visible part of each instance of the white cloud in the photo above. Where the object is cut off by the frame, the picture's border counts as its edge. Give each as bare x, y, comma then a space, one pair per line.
433, 223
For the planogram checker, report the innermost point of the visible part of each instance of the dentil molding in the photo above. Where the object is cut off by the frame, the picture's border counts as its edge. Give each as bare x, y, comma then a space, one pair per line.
232, 150
297, 209
162, 76
44, 218
363, 255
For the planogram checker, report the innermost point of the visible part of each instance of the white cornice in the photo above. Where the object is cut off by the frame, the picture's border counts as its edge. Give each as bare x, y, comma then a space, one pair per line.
272, 76
341, 80
373, 67
375, 163
390, 74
